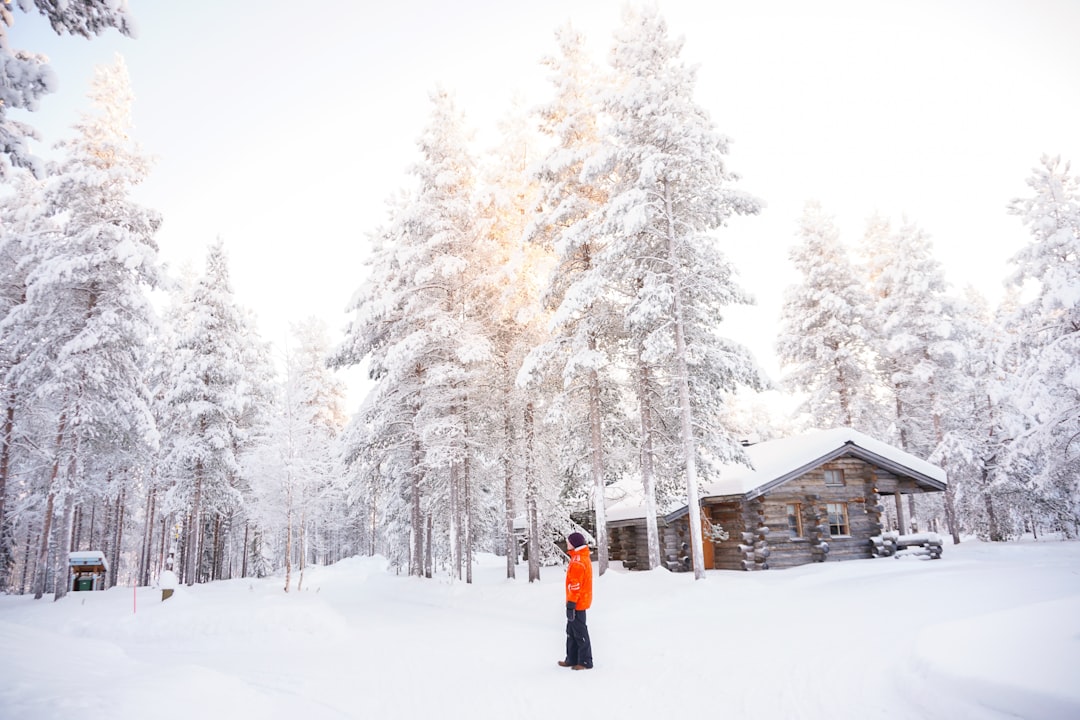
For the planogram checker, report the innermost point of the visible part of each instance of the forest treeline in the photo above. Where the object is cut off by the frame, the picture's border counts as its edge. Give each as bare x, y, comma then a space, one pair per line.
538, 322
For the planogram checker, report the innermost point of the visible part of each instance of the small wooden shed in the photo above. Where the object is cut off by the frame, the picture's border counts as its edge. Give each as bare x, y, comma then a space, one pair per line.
87, 570
805, 499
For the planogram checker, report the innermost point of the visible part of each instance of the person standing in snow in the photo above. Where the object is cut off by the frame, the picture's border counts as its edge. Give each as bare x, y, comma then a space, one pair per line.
578, 600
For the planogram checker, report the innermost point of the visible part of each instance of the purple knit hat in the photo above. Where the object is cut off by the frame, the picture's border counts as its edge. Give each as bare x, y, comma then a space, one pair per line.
576, 540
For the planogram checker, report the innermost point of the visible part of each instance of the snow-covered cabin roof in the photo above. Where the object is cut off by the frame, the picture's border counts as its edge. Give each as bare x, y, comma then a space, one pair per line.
777, 461
87, 558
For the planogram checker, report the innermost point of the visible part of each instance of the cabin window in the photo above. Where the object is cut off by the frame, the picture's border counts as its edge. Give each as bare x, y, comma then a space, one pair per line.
838, 521
834, 477
794, 519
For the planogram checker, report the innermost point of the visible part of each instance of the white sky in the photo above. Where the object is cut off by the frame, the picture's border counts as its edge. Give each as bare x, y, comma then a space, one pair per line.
282, 127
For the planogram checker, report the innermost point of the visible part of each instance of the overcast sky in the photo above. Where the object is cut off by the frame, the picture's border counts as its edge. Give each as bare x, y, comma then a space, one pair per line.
282, 127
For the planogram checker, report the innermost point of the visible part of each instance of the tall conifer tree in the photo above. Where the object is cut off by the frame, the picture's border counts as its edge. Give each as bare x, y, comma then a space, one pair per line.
670, 189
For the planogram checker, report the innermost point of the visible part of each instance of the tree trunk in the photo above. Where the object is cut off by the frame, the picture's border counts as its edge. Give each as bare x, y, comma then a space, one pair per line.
118, 539
683, 383
508, 504
148, 538
215, 550
303, 546
7, 545
191, 544
288, 531
93, 524
244, 562
373, 521
60, 589
596, 452
77, 528
429, 559
950, 513
161, 553
46, 527
27, 564
468, 521
993, 527
416, 562
648, 475
455, 526
530, 498
66, 530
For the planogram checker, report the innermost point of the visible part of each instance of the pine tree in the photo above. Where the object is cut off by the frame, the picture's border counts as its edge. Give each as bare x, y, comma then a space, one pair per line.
421, 324
824, 341
380, 446
517, 324
291, 464
979, 426
87, 317
206, 400
670, 189
582, 319
21, 216
1049, 389
913, 337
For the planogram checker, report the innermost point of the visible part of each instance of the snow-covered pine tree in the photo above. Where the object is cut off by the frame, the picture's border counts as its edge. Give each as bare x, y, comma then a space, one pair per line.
517, 323
1049, 386
87, 316
582, 318
25, 77
205, 399
670, 189
291, 466
322, 402
447, 259
823, 339
380, 447
978, 426
423, 327
21, 215
913, 337
914, 341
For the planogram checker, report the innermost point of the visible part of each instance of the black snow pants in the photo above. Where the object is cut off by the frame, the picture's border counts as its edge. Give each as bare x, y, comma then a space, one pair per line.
578, 647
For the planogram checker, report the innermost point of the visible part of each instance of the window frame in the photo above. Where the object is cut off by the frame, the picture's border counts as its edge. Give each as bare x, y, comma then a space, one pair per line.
794, 512
834, 473
842, 507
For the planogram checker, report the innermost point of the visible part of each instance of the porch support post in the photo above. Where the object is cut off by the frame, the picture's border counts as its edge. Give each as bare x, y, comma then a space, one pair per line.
901, 524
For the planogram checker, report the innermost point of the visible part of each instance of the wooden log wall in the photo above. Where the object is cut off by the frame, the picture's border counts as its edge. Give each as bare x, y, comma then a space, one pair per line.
810, 491
755, 539
622, 545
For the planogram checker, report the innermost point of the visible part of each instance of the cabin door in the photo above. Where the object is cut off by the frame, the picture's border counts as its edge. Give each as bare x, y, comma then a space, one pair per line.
706, 542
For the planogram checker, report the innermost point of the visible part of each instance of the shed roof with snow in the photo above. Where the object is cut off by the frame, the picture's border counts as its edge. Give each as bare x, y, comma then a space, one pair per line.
88, 559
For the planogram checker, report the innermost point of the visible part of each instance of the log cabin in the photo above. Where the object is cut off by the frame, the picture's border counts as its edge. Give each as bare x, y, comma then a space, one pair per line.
804, 499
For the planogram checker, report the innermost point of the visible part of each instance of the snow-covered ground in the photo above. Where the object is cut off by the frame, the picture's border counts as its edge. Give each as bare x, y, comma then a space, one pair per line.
989, 631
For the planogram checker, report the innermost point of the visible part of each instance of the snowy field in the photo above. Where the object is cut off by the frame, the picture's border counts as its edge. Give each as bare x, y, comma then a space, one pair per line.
989, 631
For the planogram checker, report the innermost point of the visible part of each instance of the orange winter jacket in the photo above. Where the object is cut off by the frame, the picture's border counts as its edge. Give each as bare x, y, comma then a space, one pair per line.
579, 579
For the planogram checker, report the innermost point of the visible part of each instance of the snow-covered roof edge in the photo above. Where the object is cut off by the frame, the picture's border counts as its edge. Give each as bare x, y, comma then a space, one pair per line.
88, 557
819, 447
